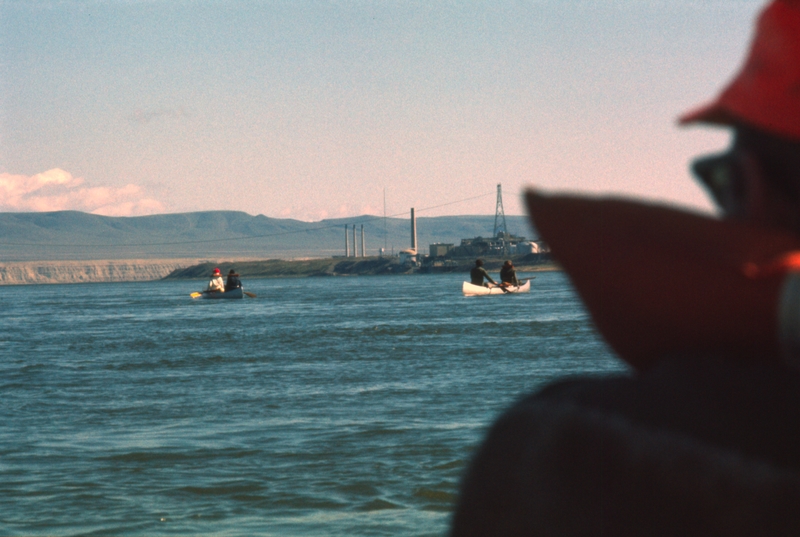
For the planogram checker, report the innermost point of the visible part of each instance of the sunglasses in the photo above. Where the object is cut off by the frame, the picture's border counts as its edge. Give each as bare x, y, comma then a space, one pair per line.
723, 177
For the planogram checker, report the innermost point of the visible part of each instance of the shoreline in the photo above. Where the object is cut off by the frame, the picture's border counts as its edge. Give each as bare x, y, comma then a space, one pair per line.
132, 270
358, 266
90, 271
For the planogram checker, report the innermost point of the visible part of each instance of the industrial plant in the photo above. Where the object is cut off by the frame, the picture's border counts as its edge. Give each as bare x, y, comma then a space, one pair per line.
501, 244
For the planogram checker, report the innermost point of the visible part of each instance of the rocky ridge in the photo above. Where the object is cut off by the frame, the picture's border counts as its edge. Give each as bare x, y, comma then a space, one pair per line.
39, 272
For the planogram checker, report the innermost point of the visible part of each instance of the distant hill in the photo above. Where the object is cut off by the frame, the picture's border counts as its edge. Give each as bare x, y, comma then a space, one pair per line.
73, 235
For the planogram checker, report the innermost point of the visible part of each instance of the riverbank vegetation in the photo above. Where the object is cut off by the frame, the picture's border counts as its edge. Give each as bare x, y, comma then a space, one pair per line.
353, 266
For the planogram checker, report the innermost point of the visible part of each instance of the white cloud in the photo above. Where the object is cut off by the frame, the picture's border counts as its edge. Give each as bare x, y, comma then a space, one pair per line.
58, 190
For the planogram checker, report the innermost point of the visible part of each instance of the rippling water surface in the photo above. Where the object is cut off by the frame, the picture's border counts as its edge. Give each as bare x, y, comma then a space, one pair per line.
331, 406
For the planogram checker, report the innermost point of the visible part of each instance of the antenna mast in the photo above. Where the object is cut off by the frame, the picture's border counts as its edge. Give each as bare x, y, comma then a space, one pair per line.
385, 233
500, 215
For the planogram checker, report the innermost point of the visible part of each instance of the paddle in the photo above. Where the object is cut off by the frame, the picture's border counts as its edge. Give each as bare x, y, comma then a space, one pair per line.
502, 287
198, 294
520, 283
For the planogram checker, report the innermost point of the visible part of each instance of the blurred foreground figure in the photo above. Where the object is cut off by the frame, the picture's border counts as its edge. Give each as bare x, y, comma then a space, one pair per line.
703, 438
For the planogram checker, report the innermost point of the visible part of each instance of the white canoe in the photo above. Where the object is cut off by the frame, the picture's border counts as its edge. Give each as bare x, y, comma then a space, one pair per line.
233, 293
472, 290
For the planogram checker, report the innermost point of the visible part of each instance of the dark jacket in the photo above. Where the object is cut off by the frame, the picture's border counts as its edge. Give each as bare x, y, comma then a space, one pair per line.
233, 282
508, 275
679, 438
477, 274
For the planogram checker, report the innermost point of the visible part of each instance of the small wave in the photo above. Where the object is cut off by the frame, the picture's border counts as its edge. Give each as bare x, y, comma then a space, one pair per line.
179, 456
359, 489
247, 488
438, 496
148, 456
381, 432
459, 463
437, 507
379, 505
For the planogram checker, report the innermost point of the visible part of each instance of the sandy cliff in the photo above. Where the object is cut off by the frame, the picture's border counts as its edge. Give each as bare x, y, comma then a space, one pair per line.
131, 270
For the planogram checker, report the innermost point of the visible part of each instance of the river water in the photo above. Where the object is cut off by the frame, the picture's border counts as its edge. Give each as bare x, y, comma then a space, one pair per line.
326, 406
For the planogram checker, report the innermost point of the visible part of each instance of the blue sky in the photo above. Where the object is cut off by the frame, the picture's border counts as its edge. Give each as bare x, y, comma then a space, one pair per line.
312, 110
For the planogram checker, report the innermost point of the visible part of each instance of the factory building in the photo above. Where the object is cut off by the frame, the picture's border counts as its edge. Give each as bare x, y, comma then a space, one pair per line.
440, 249
500, 244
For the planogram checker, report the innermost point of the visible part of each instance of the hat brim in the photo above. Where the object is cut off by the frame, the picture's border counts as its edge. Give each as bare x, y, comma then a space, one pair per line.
712, 113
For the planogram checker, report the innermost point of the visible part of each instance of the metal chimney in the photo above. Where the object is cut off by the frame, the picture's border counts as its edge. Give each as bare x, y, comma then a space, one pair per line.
413, 231
363, 246
355, 244
346, 243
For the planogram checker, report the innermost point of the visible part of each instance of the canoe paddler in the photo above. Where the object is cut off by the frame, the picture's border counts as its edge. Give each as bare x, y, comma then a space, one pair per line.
701, 436
216, 284
233, 281
508, 274
478, 273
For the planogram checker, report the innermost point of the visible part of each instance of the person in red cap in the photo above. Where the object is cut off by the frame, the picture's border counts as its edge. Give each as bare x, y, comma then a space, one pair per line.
758, 179
216, 284
703, 436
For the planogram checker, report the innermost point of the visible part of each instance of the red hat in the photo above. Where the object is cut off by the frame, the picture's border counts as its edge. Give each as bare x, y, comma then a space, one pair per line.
216, 271
766, 92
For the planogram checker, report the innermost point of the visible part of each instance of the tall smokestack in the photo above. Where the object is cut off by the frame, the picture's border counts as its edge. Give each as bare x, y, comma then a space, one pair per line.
363, 246
413, 231
346, 243
355, 244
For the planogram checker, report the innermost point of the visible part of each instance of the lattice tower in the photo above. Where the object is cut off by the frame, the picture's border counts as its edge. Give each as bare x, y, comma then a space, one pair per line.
499, 215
